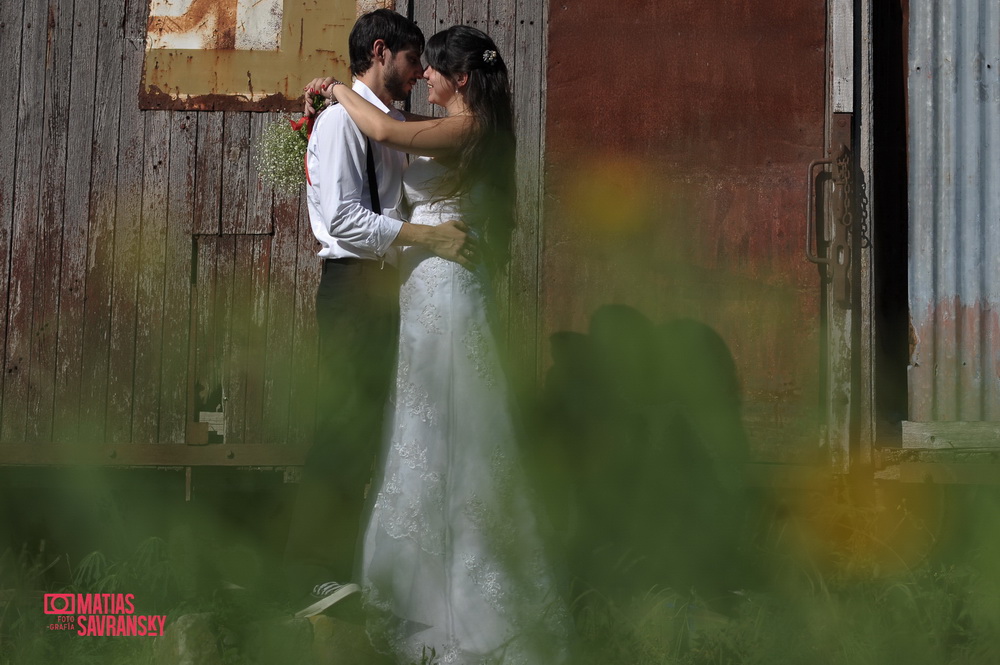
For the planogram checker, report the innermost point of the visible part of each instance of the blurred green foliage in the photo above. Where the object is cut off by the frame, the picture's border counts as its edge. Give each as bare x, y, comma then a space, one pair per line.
634, 447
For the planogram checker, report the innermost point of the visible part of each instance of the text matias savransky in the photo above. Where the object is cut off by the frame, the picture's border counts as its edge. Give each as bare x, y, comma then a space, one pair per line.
109, 615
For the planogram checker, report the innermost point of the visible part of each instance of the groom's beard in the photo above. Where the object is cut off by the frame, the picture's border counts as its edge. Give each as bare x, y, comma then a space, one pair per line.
395, 82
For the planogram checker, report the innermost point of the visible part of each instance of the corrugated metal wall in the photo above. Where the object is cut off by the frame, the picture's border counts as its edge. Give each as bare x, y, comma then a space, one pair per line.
954, 208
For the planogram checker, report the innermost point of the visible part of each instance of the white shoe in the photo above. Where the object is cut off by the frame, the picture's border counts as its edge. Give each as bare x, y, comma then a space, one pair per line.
329, 594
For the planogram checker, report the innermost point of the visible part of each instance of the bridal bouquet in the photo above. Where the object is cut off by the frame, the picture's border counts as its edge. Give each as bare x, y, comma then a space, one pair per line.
280, 152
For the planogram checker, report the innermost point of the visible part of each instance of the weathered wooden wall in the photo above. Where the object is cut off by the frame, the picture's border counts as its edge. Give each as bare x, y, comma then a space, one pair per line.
104, 212
108, 214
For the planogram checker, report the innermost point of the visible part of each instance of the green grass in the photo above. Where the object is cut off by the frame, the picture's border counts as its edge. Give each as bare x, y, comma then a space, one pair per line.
840, 587
860, 592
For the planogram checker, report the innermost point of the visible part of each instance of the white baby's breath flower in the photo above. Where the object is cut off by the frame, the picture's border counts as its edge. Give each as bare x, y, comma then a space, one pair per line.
280, 155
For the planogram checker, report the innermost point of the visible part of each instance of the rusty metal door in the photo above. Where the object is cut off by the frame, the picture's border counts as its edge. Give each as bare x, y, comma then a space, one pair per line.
678, 139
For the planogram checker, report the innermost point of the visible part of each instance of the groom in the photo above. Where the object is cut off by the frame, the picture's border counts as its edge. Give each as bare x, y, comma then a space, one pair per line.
354, 194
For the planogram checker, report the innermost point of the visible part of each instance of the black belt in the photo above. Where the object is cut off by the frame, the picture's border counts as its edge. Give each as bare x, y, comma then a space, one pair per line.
349, 261
377, 264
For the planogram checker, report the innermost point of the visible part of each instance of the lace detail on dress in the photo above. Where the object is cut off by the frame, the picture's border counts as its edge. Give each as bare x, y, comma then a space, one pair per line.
413, 455
468, 281
476, 350
503, 471
489, 580
434, 271
404, 517
406, 292
430, 319
417, 401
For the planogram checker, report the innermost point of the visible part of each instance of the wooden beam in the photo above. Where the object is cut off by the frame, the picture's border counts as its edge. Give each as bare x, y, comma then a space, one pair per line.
841, 17
788, 476
953, 434
152, 455
944, 473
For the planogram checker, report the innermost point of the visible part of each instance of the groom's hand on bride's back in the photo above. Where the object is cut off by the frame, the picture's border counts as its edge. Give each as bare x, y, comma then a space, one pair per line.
454, 242
450, 240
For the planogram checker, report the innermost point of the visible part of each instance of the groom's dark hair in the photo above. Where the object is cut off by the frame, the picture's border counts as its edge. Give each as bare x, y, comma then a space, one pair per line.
398, 32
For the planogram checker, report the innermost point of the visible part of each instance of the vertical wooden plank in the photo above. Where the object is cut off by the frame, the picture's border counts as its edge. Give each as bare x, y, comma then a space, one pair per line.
101, 231
260, 266
501, 27
448, 13
17, 387
260, 196
424, 14
177, 284
304, 340
439, 14
235, 170
207, 378
152, 249
122, 384
476, 14
237, 336
208, 183
76, 214
841, 22
225, 286
48, 235
529, 57
280, 320
11, 16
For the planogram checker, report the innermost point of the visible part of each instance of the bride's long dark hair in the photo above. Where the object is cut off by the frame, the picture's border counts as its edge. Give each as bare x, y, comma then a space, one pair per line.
485, 159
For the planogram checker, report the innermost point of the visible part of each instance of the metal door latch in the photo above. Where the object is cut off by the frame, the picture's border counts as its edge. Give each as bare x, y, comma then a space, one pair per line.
837, 236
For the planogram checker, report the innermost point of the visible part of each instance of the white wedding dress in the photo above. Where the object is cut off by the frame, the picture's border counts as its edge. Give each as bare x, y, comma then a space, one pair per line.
451, 559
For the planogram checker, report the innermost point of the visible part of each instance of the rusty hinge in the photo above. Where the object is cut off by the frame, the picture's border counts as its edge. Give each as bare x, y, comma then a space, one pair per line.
837, 258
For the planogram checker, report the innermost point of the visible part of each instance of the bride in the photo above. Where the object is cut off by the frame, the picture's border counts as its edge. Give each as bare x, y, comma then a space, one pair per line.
451, 560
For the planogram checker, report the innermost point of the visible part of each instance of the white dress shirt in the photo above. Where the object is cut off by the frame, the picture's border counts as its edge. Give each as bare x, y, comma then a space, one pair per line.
339, 201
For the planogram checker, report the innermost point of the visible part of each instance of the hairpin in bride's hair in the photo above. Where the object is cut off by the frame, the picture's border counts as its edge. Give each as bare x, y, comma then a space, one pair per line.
489, 56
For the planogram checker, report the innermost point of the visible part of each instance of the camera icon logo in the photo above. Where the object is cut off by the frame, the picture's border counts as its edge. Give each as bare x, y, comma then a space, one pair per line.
59, 603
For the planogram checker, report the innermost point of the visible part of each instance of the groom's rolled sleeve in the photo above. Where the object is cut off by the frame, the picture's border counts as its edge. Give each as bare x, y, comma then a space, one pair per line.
338, 169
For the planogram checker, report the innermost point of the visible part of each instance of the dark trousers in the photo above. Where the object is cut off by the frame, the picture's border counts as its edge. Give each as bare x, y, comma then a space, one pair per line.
357, 310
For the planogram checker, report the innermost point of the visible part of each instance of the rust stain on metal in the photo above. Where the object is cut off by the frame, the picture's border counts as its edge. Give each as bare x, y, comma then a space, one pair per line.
214, 19
955, 370
241, 54
154, 98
